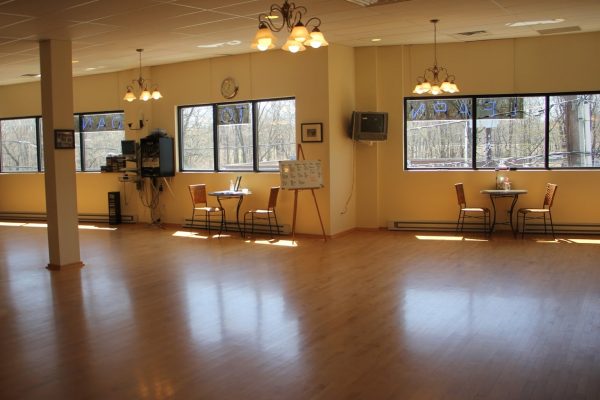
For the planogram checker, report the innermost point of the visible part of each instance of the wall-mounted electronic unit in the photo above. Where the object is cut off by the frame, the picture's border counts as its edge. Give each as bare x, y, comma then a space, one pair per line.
157, 157
369, 125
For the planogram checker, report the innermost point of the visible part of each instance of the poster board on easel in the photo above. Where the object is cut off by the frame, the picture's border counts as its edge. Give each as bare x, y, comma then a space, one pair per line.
301, 174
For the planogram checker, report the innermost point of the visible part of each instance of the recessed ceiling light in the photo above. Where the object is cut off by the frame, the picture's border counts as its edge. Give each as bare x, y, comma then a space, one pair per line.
540, 22
74, 61
376, 40
90, 69
31, 75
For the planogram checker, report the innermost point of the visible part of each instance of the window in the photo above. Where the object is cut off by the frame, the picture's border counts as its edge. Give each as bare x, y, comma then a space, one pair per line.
96, 136
19, 138
234, 136
276, 133
439, 133
245, 136
574, 138
100, 135
516, 131
510, 132
197, 146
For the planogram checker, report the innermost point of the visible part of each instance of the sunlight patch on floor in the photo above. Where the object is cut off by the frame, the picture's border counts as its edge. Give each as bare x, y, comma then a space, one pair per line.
280, 243
11, 224
439, 237
45, 225
96, 228
583, 241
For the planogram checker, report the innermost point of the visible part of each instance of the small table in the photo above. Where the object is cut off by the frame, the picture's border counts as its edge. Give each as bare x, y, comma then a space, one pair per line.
497, 193
232, 194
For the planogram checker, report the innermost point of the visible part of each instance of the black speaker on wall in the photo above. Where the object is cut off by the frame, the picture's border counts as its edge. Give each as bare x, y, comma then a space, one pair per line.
157, 156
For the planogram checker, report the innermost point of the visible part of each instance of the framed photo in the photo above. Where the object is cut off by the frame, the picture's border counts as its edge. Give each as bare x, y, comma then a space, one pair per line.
64, 139
312, 132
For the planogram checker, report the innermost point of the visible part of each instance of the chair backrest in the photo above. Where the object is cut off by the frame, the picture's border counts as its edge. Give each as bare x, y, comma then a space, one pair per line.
460, 195
273, 197
198, 193
549, 196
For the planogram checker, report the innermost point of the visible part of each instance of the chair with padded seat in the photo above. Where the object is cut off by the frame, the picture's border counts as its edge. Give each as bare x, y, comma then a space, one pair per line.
267, 213
527, 214
480, 213
200, 204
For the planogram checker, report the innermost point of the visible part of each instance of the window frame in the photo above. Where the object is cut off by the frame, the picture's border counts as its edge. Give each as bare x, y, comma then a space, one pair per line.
474, 98
215, 106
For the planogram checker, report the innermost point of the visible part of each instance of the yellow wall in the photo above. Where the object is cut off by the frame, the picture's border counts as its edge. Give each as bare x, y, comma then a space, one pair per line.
545, 64
328, 84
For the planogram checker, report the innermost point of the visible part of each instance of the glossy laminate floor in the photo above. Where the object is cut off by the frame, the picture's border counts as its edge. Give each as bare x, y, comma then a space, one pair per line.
156, 314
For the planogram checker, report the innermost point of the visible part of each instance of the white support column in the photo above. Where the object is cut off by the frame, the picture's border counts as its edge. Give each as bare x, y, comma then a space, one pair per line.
59, 164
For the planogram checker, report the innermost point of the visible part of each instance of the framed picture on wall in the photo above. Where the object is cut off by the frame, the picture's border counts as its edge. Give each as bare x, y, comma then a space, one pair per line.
312, 132
64, 139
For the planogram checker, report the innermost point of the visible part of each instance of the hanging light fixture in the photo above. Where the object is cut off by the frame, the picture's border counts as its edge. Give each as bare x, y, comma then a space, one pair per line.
289, 16
429, 82
142, 83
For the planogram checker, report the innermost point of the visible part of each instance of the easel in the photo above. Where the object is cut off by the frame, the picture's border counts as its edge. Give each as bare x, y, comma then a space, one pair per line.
300, 154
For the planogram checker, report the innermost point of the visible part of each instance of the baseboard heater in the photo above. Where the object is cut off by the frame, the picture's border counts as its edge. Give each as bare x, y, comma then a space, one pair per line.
450, 226
85, 217
231, 226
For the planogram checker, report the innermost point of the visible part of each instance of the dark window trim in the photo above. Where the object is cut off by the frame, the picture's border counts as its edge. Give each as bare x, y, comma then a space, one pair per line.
255, 166
474, 97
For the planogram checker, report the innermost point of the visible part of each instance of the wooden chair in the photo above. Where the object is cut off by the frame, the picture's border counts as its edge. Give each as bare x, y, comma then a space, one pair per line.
470, 212
200, 203
539, 213
266, 213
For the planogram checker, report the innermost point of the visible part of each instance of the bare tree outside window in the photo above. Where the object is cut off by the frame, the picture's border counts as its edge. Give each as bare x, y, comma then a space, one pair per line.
276, 133
574, 131
197, 144
510, 132
439, 133
242, 143
19, 145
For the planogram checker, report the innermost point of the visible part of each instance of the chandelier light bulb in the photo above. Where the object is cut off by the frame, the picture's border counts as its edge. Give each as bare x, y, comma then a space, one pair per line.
300, 33
317, 39
145, 96
156, 94
293, 46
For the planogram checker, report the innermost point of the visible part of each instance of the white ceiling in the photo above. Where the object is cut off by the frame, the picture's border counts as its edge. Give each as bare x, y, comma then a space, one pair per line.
105, 33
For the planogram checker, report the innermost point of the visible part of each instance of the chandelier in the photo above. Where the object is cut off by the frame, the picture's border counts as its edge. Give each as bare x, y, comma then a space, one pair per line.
142, 83
288, 16
429, 82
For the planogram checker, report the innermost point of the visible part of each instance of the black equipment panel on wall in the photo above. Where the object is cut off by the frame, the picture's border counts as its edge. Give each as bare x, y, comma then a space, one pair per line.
114, 208
157, 156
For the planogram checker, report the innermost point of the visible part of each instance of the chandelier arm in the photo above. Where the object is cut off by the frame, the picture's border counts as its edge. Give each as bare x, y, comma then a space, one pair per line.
316, 22
264, 19
294, 14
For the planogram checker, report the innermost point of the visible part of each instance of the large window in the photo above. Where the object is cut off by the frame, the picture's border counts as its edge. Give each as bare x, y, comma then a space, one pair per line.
245, 136
97, 135
517, 131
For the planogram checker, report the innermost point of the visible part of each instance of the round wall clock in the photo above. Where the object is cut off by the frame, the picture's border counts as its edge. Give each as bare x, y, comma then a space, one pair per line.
229, 88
